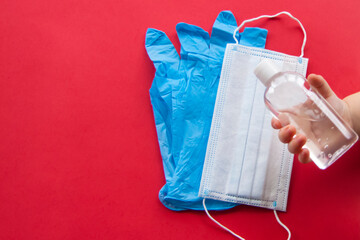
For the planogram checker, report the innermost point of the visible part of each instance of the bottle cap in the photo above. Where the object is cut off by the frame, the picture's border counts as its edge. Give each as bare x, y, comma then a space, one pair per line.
265, 70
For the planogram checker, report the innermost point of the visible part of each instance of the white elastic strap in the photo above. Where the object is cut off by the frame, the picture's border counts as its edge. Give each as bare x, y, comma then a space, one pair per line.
222, 226
272, 16
283, 225
234, 234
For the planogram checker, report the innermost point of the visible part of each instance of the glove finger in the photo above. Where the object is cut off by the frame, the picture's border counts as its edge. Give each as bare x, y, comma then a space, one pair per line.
222, 33
193, 39
162, 115
253, 37
160, 49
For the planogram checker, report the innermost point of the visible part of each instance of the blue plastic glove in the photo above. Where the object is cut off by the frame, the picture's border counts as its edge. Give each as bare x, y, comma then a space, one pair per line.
183, 96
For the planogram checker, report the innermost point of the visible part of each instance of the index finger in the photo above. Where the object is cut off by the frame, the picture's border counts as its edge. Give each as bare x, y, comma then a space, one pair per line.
275, 123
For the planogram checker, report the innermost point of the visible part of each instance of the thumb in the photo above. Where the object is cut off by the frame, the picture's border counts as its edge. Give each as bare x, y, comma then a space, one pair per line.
318, 83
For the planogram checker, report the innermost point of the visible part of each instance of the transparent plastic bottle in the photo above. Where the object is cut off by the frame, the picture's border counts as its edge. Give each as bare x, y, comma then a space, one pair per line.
289, 97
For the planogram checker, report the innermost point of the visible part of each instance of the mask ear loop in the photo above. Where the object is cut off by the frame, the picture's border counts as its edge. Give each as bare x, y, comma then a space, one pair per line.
283, 225
234, 234
272, 16
222, 226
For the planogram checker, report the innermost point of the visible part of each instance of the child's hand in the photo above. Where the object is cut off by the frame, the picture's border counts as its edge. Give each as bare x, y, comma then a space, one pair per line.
287, 134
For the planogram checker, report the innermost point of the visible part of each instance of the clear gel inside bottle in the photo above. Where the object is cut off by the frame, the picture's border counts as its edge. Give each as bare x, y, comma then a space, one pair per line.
290, 99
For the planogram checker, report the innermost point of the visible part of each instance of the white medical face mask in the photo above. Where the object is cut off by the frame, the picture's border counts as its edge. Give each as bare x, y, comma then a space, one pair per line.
245, 162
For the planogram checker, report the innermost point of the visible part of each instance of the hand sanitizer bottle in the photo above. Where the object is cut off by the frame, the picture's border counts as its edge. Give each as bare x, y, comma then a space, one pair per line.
289, 97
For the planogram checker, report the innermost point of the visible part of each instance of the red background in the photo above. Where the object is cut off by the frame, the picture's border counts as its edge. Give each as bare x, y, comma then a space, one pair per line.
79, 157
